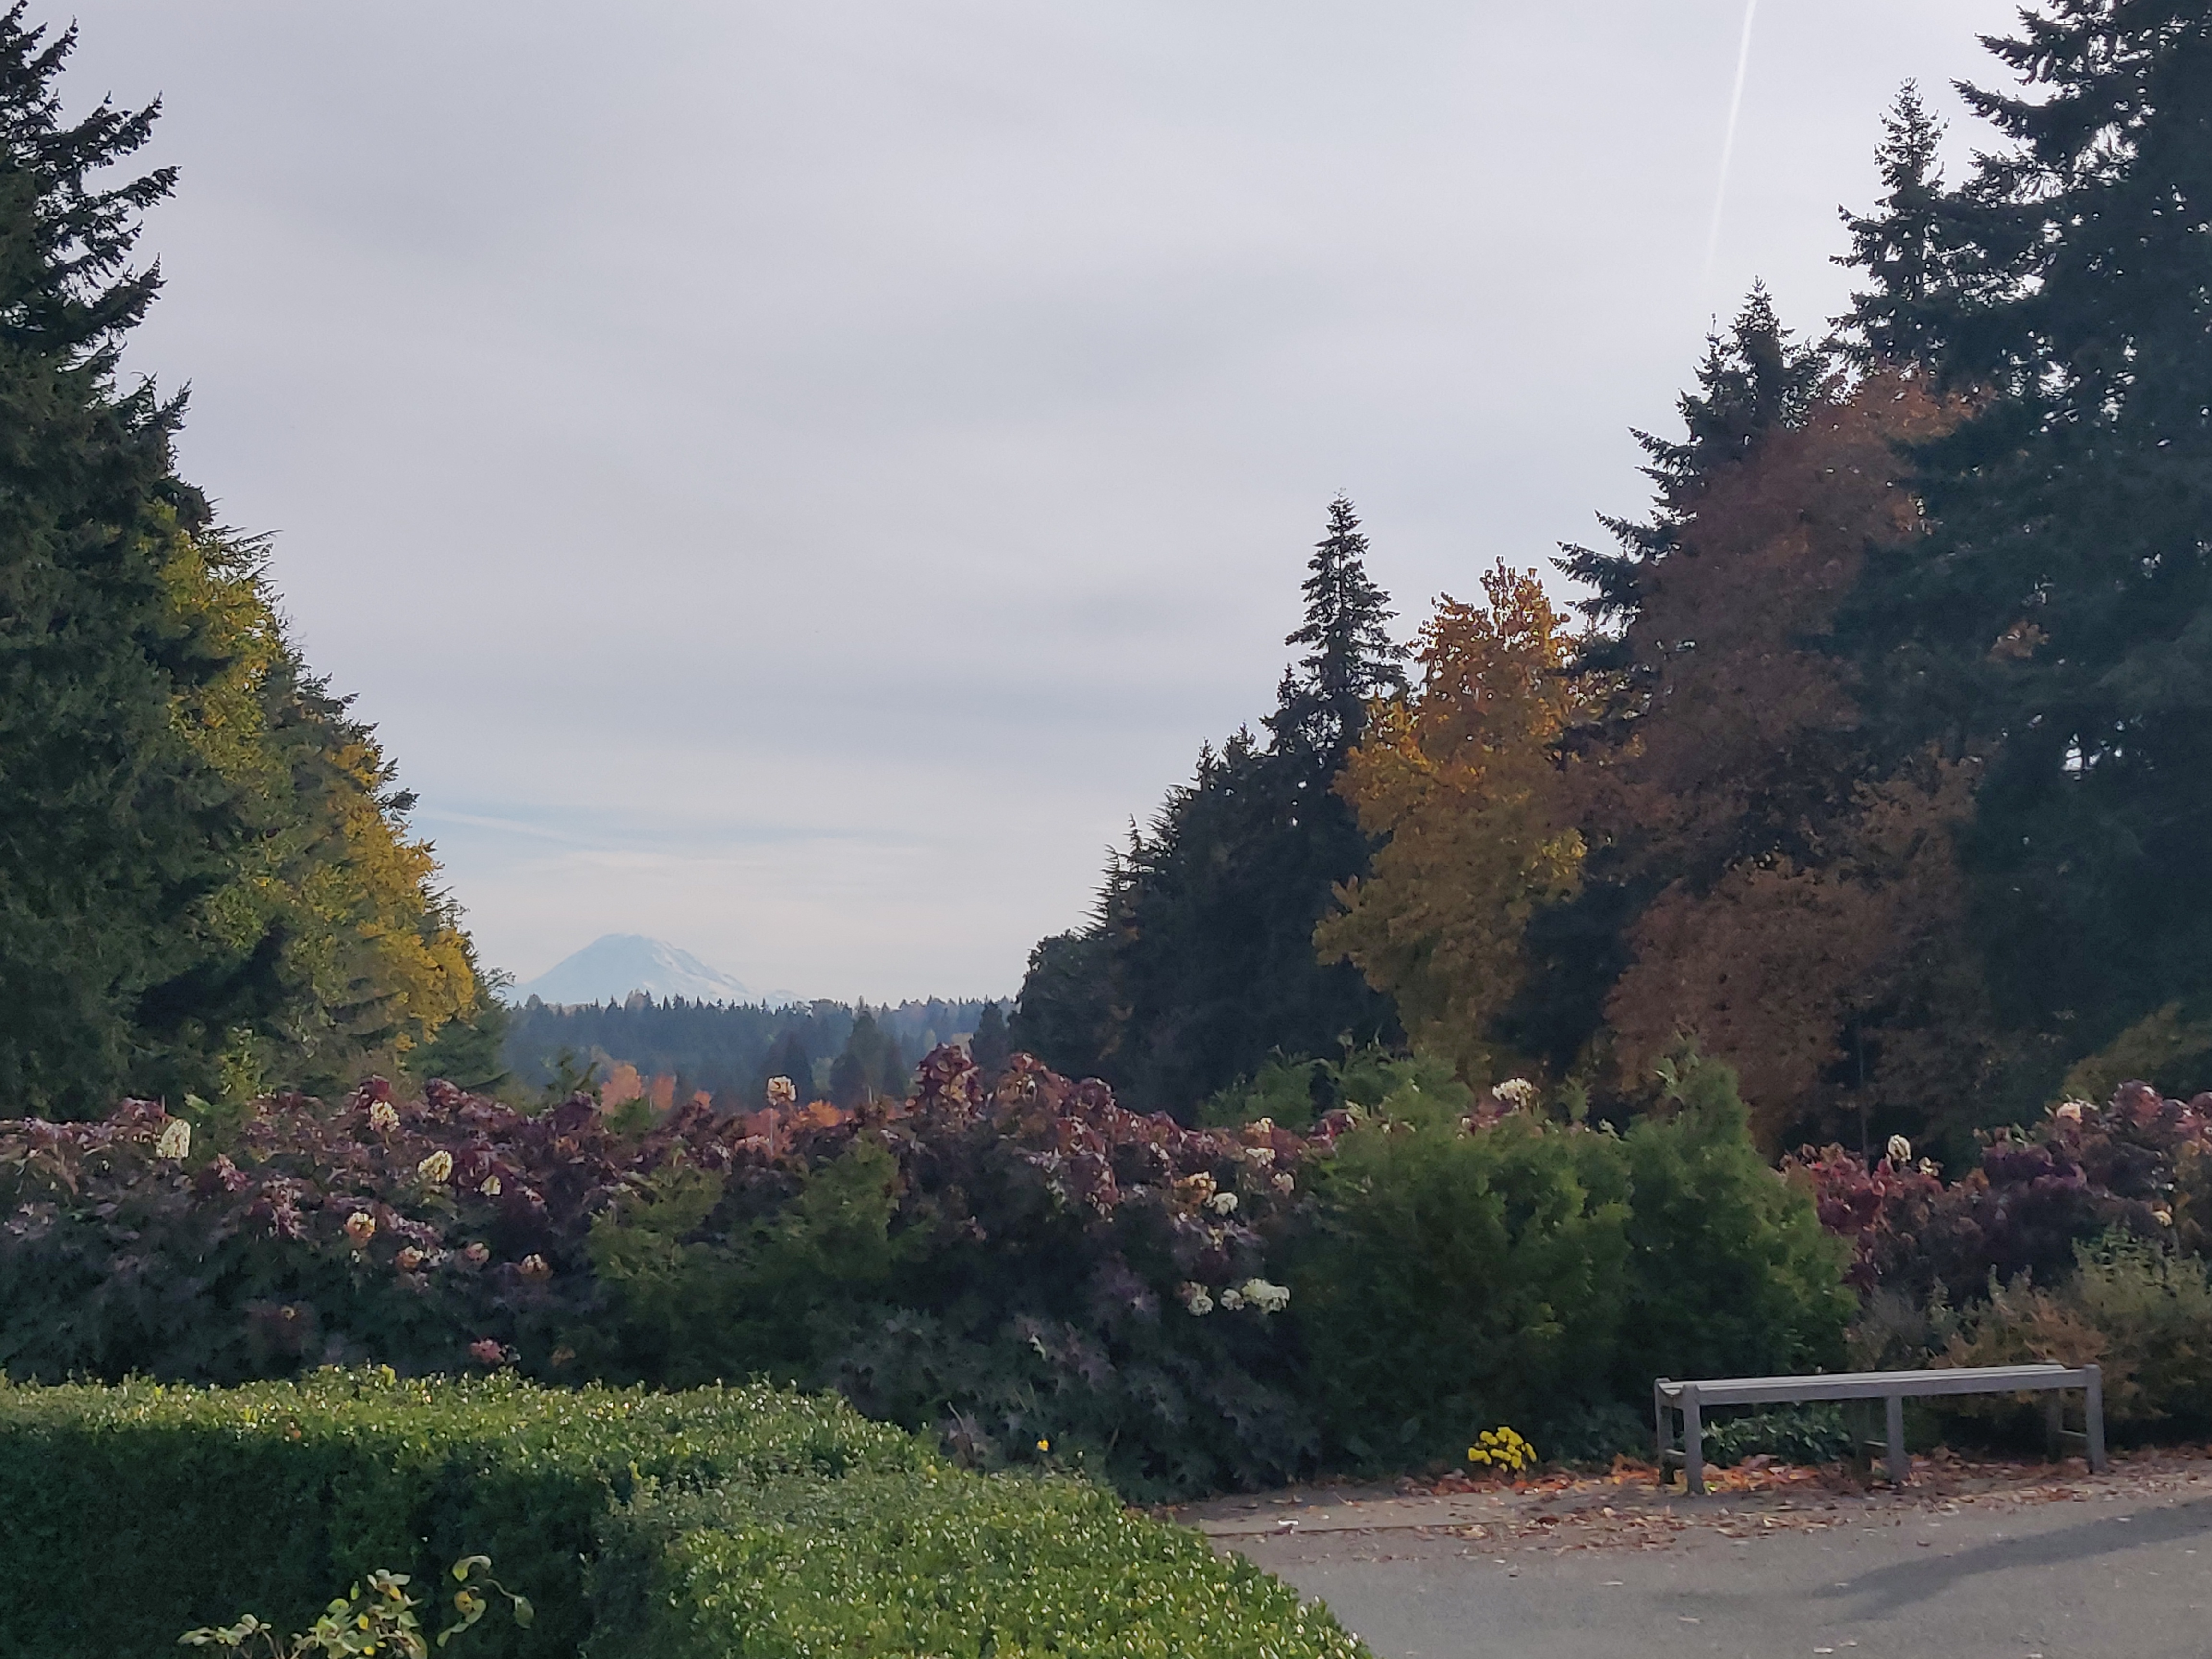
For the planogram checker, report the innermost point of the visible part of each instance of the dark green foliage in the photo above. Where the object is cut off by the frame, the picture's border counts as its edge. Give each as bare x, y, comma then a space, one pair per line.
1459, 1281
1910, 250
469, 1051
2056, 625
1538, 1275
131, 1514
990, 1045
1730, 1271
788, 1056
111, 830
1817, 1433
870, 1067
729, 1051
1200, 962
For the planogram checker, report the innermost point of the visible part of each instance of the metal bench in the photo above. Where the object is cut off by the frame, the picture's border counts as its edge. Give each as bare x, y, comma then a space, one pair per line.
1895, 1388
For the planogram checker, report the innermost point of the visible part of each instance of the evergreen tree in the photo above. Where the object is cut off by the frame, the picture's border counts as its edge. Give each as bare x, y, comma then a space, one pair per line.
989, 1045
1350, 658
1199, 964
1913, 249
1755, 380
2056, 627
787, 1057
113, 831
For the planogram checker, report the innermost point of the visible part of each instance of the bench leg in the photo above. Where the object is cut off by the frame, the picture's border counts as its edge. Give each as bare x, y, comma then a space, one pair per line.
1693, 1442
1900, 1465
2093, 1419
1661, 1430
2052, 1402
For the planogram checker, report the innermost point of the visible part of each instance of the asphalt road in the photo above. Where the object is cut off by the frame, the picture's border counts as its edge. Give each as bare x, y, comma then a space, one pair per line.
2103, 1568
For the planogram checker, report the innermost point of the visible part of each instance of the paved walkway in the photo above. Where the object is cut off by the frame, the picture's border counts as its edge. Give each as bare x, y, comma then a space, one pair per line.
2008, 1562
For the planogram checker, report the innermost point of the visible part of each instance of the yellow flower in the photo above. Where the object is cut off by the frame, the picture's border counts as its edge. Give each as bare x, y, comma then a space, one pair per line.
438, 1167
1044, 1445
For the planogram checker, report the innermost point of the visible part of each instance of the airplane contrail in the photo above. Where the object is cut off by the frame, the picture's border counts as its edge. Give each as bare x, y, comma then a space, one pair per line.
1728, 144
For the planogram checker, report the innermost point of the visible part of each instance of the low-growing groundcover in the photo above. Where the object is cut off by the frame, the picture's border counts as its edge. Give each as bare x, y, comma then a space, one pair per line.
715, 1522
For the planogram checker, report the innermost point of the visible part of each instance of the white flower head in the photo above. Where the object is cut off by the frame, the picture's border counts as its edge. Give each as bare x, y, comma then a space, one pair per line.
1231, 1299
1515, 1092
1286, 1183
1900, 1151
783, 1092
491, 1187
438, 1167
176, 1139
2069, 1111
1221, 1203
1196, 1300
1259, 1293
383, 1116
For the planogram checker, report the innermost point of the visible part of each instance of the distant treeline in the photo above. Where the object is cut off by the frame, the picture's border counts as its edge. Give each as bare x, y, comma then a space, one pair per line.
833, 1050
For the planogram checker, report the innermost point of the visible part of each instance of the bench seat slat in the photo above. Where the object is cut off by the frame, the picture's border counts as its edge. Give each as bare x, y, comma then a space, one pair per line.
1875, 1385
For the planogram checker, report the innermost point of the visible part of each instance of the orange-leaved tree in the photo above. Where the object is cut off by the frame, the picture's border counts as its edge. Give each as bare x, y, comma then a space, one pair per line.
1801, 907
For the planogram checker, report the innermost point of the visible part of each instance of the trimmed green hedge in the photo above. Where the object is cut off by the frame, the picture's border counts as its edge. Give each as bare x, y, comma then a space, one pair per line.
937, 1561
718, 1522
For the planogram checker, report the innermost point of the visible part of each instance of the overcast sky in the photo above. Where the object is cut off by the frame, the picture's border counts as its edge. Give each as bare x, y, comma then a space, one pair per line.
793, 480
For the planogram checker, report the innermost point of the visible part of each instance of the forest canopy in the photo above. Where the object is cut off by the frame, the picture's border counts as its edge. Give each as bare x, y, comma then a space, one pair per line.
1879, 766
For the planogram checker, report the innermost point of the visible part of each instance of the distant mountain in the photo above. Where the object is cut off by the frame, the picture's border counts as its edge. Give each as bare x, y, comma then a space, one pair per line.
614, 966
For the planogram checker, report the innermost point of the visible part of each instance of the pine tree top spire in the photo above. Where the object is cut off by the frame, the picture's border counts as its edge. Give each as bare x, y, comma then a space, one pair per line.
1908, 247
1755, 378
64, 284
1350, 656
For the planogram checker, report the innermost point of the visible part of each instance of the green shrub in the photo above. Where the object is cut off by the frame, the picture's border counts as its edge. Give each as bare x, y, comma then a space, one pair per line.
717, 1523
1458, 1280
933, 1560
1729, 1271
1815, 1433
129, 1513
2141, 1313
1510, 1268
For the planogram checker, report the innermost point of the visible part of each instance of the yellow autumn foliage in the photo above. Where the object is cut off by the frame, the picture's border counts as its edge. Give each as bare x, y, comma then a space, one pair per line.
373, 952
1462, 778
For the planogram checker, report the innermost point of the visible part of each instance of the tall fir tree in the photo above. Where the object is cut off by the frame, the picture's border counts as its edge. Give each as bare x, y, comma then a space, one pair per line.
1755, 378
1199, 963
206, 881
1913, 251
2055, 630
113, 829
